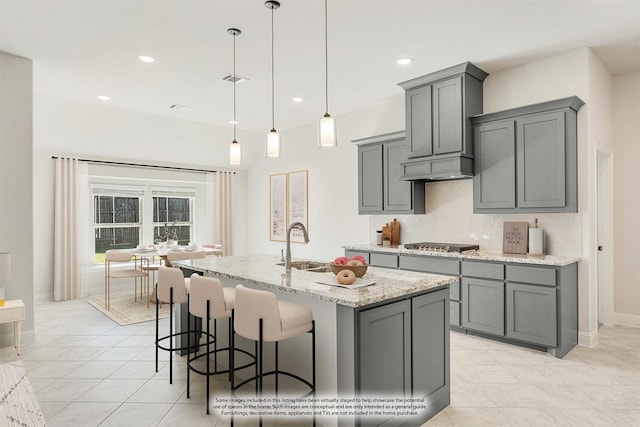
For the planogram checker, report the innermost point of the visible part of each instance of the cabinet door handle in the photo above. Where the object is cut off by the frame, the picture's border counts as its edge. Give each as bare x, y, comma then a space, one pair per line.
600, 248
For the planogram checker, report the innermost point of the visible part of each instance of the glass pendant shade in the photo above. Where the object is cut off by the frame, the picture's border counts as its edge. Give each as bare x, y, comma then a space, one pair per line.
235, 153
273, 144
327, 126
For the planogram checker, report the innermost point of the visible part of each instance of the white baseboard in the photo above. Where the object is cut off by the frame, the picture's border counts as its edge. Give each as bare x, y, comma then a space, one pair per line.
624, 319
588, 339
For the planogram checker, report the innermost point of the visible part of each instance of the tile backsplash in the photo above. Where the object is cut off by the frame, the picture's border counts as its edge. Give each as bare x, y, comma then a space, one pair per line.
450, 219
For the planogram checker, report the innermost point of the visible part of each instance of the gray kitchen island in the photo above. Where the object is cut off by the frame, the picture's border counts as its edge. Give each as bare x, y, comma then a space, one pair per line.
387, 341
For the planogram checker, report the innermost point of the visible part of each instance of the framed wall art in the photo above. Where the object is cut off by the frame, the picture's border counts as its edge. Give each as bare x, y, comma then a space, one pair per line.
297, 203
278, 207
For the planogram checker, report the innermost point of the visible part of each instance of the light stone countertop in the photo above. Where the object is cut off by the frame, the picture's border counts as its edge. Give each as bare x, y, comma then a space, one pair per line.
261, 270
550, 260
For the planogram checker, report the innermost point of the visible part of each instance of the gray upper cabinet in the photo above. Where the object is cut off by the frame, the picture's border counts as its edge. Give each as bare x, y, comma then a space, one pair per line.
494, 145
449, 124
370, 178
541, 161
438, 107
419, 133
380, 189
526, 159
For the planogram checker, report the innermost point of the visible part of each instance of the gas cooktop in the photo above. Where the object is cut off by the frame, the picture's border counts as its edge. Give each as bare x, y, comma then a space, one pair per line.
441, 247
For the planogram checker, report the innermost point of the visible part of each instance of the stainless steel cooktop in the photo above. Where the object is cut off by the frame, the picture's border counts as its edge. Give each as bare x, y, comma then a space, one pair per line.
441, 247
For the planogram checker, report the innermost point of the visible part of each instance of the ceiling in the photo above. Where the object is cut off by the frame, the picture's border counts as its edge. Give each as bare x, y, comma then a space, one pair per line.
85, 48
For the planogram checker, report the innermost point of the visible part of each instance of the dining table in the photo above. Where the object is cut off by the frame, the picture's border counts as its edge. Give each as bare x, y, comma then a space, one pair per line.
162, 252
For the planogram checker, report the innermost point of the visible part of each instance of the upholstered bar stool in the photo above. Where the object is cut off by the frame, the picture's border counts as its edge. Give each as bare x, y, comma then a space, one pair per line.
209, 300
172, 288
259, 316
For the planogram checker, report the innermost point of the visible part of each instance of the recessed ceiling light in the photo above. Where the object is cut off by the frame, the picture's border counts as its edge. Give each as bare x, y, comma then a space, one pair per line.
103, 97
404, 61
297, 99
146, 59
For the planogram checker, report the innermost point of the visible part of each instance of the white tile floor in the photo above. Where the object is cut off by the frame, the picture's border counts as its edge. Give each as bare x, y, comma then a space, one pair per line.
88, 371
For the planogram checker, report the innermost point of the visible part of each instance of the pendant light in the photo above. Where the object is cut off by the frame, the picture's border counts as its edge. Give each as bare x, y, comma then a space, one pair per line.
273, 137
327, 124
235, 152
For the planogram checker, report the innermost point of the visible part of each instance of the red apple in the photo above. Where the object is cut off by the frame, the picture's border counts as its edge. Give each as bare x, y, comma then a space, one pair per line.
341, 260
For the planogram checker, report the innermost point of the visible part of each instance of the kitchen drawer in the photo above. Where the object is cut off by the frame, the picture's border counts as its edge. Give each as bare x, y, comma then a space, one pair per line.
383, 260
454, 313
349, 253
483, 269
454, 291
539, 275
430, 264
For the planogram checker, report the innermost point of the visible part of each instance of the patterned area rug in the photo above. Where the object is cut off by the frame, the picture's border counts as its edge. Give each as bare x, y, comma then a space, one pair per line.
18, 403
125, 311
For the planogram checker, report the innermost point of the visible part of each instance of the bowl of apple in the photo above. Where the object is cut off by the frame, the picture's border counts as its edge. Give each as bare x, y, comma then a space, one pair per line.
356, 263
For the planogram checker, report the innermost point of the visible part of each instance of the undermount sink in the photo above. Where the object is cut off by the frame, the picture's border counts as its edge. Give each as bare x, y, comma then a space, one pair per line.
312, 266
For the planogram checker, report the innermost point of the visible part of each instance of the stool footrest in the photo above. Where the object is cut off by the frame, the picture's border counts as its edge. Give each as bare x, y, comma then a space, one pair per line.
215, 371
265, 374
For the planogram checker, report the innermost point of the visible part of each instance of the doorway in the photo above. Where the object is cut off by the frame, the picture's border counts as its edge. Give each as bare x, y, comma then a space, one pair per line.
604, 261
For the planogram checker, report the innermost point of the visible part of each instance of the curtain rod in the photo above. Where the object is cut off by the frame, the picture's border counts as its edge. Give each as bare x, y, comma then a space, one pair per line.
140, 165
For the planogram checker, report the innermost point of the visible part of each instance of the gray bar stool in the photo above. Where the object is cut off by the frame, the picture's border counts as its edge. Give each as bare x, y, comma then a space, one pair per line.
259, 316
208, 300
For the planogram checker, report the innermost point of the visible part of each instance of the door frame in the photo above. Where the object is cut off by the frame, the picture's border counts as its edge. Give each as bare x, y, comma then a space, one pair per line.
604, 238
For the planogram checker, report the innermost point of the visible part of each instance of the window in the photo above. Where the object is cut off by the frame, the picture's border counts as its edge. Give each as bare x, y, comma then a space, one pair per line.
143, 211
116, 222
172, 218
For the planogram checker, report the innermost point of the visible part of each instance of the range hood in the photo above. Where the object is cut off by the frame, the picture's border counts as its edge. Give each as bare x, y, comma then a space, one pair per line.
437, 168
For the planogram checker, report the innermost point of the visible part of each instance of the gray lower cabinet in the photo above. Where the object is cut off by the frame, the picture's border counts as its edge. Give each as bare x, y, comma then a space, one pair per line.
404, 351
483, 305
531, 313
364, 254
375, 259
528, 304
383, 260
430, 352
380, 189
526, 159
438, 265
385, 350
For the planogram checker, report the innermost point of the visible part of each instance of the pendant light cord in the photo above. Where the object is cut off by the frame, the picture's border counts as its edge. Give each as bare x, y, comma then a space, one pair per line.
326, 59
273, 114
234, 88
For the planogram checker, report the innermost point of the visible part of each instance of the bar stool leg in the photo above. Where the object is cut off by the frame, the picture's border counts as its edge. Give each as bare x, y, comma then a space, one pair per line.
171, 340
276, 347
260, 394
209, 347
313, 366
189, 358
157, 316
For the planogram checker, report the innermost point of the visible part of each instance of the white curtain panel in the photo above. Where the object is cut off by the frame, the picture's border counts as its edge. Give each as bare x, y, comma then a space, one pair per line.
71, 226
223, 208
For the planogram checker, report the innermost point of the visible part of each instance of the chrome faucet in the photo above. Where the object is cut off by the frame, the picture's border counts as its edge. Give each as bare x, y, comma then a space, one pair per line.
287, 261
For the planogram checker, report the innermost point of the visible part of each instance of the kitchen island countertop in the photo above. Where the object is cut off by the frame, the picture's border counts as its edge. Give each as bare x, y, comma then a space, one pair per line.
262, 269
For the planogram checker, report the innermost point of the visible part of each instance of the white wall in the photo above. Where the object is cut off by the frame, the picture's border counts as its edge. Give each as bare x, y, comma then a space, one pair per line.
16, 193
333, 182
97, 131
627, 197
